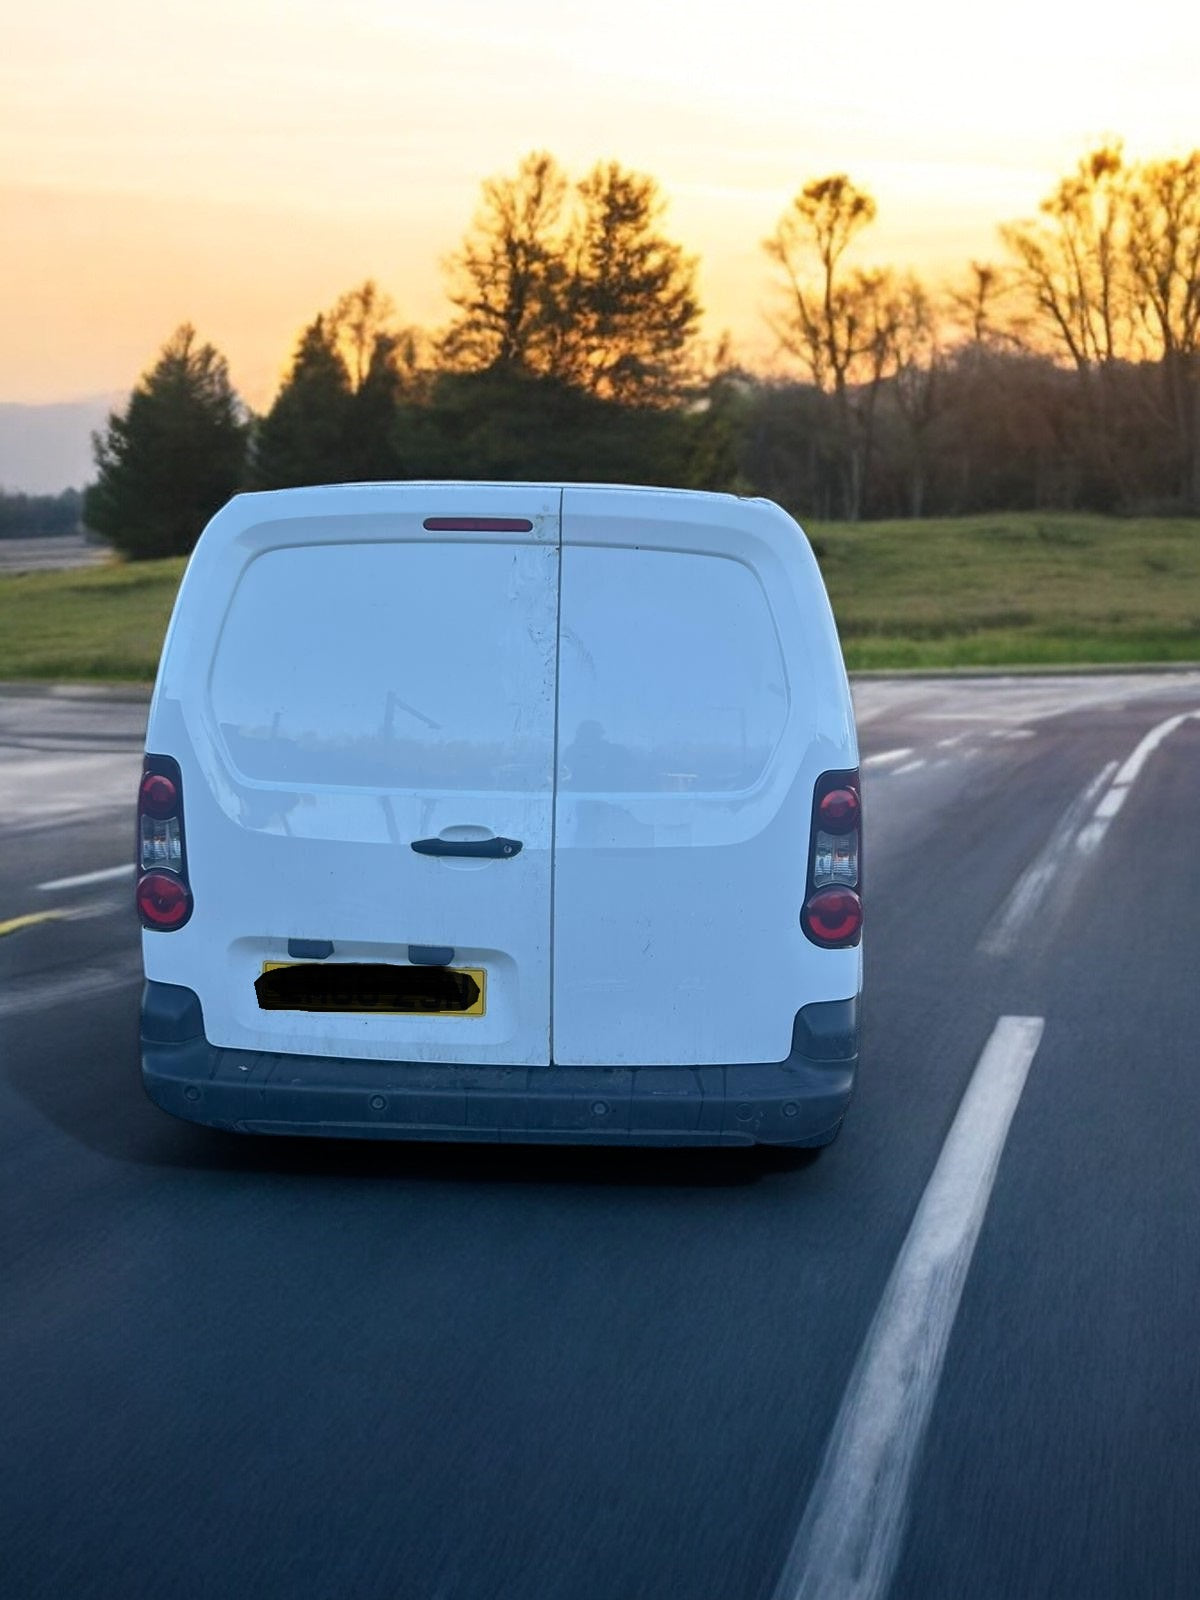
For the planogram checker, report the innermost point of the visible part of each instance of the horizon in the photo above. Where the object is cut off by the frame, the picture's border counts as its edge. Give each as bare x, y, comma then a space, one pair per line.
286, 164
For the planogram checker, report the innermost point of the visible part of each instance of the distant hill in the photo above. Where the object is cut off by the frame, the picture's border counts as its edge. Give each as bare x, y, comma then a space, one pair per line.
45, 449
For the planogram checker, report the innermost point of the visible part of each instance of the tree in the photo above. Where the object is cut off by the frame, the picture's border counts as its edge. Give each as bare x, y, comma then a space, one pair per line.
1164, 249
335, 417
918, 382
361, 319
506, 281
576, 285
839, 326
1073, 264
630, 309
173, 457
1074, 269
303, 438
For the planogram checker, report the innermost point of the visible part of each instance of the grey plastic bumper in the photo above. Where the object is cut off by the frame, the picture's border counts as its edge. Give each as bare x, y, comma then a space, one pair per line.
799, 1101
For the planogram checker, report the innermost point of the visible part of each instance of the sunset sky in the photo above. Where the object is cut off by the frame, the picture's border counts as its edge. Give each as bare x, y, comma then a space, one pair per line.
239, 163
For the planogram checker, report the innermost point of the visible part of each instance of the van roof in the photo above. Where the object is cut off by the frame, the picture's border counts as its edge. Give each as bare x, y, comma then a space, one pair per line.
495, 483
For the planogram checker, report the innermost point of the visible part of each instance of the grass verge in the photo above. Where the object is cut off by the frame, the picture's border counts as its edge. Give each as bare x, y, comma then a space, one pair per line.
1023, 589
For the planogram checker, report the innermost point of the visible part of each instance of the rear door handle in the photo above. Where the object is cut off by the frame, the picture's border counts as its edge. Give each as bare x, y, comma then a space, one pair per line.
467, 847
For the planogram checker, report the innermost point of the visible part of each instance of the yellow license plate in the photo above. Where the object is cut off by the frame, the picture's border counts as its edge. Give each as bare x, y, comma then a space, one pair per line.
376, 988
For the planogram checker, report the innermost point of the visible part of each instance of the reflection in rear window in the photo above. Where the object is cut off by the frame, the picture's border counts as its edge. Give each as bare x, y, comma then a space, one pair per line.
409, 665
670, 673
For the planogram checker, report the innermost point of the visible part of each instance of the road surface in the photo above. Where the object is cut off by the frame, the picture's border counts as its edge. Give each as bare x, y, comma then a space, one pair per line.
954, 1358
51, 553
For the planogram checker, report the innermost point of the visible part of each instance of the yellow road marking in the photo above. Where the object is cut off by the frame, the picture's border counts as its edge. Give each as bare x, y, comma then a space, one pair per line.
28, 920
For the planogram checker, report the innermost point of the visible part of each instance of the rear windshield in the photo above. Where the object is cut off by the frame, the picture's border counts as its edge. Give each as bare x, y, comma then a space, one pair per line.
671, 678
407, 665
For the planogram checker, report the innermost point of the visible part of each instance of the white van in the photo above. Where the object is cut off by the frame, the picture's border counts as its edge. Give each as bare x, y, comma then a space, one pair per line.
516, 812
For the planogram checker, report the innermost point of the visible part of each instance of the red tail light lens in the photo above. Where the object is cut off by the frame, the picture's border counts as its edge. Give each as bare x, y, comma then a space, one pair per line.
163, 901
833, 917
158, 796
838, 810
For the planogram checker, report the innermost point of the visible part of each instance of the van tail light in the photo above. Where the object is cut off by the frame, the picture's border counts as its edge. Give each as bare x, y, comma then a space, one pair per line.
163, 895
833, 914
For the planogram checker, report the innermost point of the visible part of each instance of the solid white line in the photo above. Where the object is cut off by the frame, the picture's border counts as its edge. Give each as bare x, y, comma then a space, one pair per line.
1112, 802
1002, 934
885, 757
1148, 745
849, 1538
909, 766
103, 876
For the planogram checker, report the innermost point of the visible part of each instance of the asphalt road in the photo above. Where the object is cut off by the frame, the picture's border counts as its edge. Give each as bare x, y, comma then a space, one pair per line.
235, 1366
51, 553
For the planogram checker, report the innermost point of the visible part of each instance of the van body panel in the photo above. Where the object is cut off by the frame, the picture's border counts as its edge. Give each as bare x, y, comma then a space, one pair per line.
346, 684
701, 694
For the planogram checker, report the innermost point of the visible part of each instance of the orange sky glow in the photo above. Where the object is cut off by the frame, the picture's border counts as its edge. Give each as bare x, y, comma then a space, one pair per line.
239, 164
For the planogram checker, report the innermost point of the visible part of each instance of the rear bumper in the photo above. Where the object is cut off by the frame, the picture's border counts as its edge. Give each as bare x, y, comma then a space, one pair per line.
795, 1102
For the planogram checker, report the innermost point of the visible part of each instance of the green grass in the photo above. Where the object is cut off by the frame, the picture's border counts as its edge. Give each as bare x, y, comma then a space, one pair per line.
1021, 589
1007, 590
100, 624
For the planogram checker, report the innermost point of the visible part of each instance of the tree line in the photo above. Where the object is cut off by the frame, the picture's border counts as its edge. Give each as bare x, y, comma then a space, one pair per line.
1066, 375
25, 516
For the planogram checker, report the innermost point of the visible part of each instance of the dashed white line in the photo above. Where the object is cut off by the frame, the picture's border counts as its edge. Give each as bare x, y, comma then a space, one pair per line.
849, 1538
885, 758
909, 766
105, 875
1001, 936
1093, 831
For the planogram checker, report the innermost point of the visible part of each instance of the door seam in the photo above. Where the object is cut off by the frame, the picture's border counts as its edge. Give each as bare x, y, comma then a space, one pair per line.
554, 769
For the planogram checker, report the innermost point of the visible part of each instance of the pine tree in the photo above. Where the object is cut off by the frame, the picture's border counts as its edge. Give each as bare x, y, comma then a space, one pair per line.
174, 456
304, 437
632, 312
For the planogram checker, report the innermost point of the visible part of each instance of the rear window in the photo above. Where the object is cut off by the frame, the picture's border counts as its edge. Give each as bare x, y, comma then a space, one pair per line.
671, 676
408, 665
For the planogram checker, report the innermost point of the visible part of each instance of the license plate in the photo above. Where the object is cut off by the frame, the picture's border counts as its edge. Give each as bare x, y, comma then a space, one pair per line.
378, 988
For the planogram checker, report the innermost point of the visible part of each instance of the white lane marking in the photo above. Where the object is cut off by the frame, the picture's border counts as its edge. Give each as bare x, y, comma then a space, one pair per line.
105, 875
948, 744
885, 757
1149, 744
1092, 833
1090, 836
44, 992
849, 1538
1002, 934
970, 716
1111, 802
1011, 733
909, 766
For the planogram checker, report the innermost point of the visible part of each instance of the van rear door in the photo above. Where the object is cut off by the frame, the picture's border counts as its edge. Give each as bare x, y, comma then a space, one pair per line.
352, 673
701, 693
